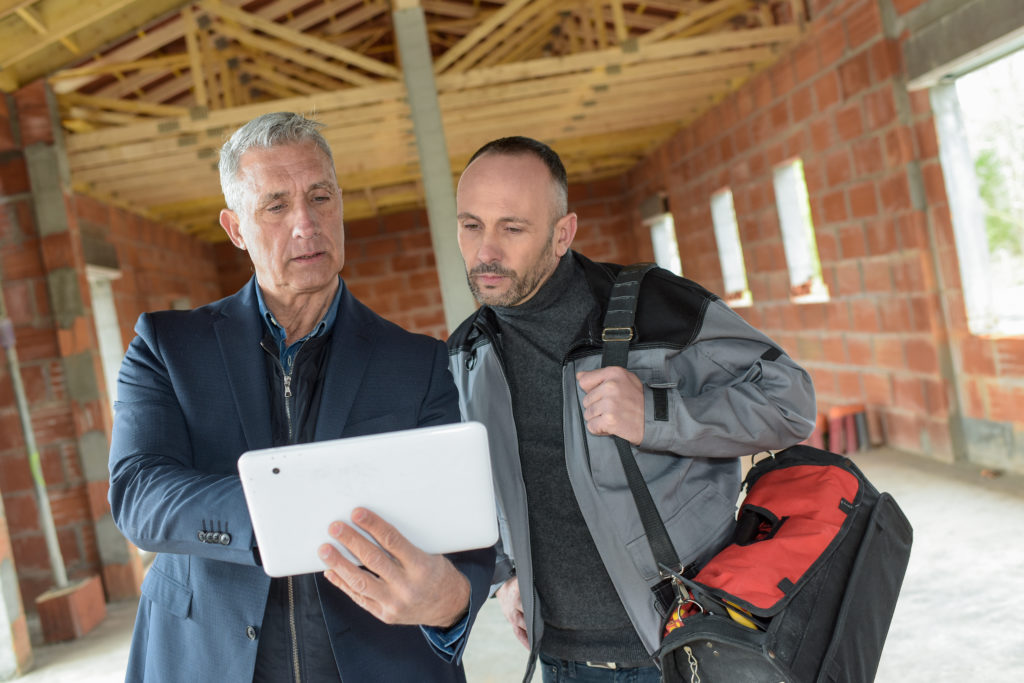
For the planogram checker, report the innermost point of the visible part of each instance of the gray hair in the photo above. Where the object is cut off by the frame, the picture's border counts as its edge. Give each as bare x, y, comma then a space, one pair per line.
264, 132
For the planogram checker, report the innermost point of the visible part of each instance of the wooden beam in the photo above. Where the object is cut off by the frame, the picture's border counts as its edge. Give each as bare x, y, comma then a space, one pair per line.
619, 17
688, 19
479, 33
62, 18
550, 66
150, 64
294, 54
340, 99
195, 58
498, 40
299, 39
130, 106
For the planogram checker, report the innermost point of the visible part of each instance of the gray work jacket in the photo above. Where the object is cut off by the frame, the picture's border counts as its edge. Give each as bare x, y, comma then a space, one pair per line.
730, 392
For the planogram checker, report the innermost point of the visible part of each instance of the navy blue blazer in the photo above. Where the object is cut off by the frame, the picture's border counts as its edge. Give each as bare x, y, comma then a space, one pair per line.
192, 397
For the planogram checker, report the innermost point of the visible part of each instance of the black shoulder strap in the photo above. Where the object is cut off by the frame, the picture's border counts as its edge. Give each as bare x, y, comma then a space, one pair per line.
617, 333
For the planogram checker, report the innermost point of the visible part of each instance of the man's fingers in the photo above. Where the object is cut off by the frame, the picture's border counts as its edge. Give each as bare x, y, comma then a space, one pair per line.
386, 535
521, 636
589, 379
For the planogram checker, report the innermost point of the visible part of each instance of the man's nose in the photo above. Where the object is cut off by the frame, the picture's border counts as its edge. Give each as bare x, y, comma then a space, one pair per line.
490, 250
304, 223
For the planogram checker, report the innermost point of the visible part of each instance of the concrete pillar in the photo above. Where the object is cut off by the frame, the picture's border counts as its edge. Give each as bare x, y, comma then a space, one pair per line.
418, 69
64, 263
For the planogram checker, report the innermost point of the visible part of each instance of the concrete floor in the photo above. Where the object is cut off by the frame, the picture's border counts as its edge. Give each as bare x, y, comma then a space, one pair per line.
958, 617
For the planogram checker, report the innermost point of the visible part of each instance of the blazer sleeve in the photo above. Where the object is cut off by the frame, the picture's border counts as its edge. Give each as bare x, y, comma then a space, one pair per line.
734, 392
160, 500
440, 406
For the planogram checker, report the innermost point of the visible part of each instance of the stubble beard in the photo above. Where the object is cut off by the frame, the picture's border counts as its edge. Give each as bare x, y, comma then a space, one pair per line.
521, 286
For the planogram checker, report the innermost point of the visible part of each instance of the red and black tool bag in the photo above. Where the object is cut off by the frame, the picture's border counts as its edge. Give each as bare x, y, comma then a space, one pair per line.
806, 590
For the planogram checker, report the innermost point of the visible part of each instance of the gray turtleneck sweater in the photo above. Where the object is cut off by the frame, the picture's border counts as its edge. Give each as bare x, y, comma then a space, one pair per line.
583, 617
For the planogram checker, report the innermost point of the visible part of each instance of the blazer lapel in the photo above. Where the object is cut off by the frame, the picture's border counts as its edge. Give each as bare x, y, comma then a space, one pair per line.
239, 332
346, 365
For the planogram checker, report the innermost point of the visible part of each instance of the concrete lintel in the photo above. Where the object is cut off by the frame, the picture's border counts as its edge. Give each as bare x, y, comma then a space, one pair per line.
966, 35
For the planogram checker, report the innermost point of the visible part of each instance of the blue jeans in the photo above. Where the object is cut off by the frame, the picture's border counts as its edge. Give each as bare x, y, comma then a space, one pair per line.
561, 671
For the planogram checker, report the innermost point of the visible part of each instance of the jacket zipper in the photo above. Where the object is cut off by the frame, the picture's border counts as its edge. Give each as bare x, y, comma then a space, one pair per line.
288, 403
291, 626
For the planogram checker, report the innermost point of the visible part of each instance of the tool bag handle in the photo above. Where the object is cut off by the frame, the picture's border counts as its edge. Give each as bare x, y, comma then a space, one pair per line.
618, 331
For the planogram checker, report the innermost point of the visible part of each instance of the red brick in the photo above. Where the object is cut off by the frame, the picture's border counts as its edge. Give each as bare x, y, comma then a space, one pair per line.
867, 156
360, 229
826, 91
881, 237
925, 314
863, 24
34, 114
903, 431
1005, 402
877, 388
894, 313
854, 75
851, 240
934, 183
880, 107
908, 393
848, 280
889, 352
1010, 357
58, 251
13, 174
977, 357
36, 343
806, 64
904, 6
832, 44
926, 138
936, 396
827, 246
848, 384
858, 349
975, 402
834, 348
912, 230
849, 123
834, 207
22, 511
838, 167
885, 60
899, 147
863, 200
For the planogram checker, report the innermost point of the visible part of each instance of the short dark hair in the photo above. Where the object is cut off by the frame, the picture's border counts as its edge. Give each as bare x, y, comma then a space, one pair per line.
518, 145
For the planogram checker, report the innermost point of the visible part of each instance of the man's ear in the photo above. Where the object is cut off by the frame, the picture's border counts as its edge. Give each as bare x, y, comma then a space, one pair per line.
565, 232
229, 221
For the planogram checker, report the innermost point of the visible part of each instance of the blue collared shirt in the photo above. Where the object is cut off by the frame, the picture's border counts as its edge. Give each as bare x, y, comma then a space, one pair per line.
442, 639
287, 353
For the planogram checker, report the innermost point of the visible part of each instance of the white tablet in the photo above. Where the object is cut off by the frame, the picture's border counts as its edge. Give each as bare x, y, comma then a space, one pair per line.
433, 484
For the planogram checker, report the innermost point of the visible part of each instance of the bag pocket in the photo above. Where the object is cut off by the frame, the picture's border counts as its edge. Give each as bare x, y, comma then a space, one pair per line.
856, 646
714, 649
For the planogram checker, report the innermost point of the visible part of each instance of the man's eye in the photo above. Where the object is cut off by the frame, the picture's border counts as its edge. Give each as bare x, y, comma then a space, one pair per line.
275, 207
322, 198
513, 228
470, 226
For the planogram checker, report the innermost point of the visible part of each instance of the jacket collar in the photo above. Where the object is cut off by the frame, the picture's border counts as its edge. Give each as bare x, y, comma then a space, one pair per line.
239, 331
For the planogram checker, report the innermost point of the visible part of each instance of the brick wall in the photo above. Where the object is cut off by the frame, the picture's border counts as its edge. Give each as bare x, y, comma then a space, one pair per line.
838, 102
159, 264
26, 259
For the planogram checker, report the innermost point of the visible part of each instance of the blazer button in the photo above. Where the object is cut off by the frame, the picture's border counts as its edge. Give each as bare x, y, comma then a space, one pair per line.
250, 632
225, 538
202, 537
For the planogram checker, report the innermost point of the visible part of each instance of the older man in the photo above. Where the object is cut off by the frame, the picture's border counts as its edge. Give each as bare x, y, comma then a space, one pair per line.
292, 357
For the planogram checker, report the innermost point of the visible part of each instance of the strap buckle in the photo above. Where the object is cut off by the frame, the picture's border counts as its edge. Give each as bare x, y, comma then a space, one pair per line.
617, 334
